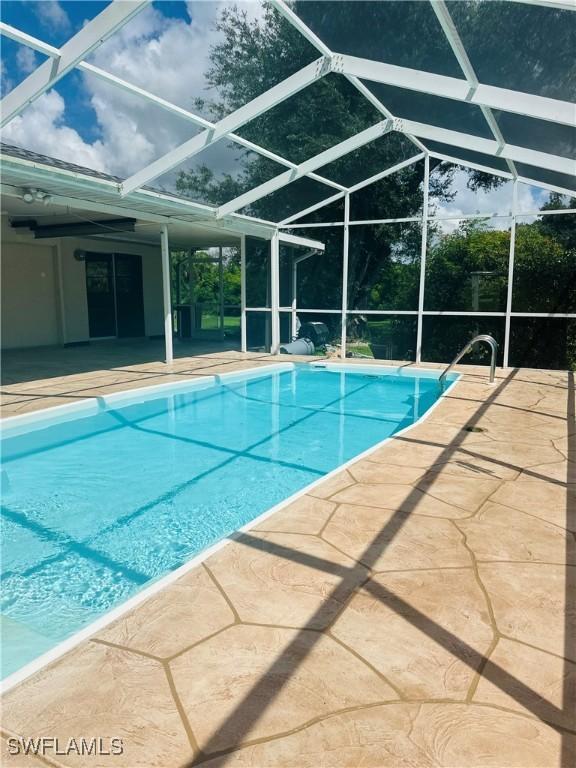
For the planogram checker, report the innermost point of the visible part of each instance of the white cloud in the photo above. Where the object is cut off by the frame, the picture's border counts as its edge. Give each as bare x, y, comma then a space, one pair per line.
26, 59
168, 57
468, 201
5, 82
52, 15
41, 128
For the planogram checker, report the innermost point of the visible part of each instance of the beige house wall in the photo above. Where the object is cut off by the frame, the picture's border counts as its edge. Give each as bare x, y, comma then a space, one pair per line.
43, 289
29, 312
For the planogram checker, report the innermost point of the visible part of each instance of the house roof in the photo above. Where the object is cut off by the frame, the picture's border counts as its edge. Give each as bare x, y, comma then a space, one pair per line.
10, 150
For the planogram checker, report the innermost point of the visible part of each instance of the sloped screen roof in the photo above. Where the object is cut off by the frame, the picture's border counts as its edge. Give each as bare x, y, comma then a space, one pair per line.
280, 106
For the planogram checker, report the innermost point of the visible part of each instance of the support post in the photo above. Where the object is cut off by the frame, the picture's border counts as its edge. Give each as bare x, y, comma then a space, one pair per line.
243, 293
345, 250
505, 362
221, 290
61, 298
166, 294
423, 259
275, 291
294, 321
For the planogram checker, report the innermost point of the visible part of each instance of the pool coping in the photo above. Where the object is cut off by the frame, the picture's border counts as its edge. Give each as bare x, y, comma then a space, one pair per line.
93, 405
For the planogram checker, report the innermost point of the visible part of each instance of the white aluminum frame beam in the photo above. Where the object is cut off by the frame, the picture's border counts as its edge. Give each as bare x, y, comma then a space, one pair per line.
166, 297
304, 242
86, 40
222, 128
312, 38
353, 188
312, 164
560, 5
275, 292
114, 80
487, 146
458, 49
474, 166
530, 105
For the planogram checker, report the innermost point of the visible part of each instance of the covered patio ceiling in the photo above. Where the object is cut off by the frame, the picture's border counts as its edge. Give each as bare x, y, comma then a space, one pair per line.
459, 108
183, 234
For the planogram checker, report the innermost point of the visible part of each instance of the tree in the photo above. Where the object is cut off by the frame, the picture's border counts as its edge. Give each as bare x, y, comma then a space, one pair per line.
255, 55
544, 281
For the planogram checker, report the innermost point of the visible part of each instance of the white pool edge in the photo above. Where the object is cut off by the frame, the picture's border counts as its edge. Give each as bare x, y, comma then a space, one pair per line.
71, 642
93, 404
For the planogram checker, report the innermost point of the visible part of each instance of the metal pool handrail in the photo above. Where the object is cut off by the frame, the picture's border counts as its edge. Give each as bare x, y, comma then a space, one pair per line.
468, 348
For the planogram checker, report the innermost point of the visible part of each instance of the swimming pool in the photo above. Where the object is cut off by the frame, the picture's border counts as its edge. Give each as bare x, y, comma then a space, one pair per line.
105, 496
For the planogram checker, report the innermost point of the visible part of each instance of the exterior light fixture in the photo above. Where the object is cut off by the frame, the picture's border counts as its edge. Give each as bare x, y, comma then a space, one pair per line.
31, 195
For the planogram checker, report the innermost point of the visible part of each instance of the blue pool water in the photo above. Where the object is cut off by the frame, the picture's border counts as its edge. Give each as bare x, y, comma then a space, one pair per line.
96, 506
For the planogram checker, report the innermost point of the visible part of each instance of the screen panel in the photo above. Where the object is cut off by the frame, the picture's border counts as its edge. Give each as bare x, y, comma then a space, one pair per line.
323, 114
433, 110
467, 265
443, 336
370, 159
460, 153
531, 199
258, 331
384, 266
545, 264
543, 342
456, 190
399, 195
563, 180
382, 337
202, 55
319, 278
258, 286
405, 33
218, 174
288, 200
519, 46
541, 135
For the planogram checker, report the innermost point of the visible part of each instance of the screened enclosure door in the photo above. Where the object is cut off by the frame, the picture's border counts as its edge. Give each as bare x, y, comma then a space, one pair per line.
100, 294
115, 296
129, 296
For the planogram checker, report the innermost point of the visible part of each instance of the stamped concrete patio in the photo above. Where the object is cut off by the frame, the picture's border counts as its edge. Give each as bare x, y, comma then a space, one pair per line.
415, 610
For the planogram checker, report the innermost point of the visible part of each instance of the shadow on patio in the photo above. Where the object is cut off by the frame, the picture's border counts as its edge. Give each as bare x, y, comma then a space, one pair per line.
356, 580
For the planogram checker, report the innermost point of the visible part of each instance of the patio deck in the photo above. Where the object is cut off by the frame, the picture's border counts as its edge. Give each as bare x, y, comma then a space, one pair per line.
415, 610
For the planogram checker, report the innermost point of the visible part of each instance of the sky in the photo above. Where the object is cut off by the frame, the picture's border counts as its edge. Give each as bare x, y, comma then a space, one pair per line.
164, 49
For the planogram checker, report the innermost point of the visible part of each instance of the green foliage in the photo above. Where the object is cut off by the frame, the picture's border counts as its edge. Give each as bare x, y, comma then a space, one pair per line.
453, 259
384, 261
205, 278
254, 56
